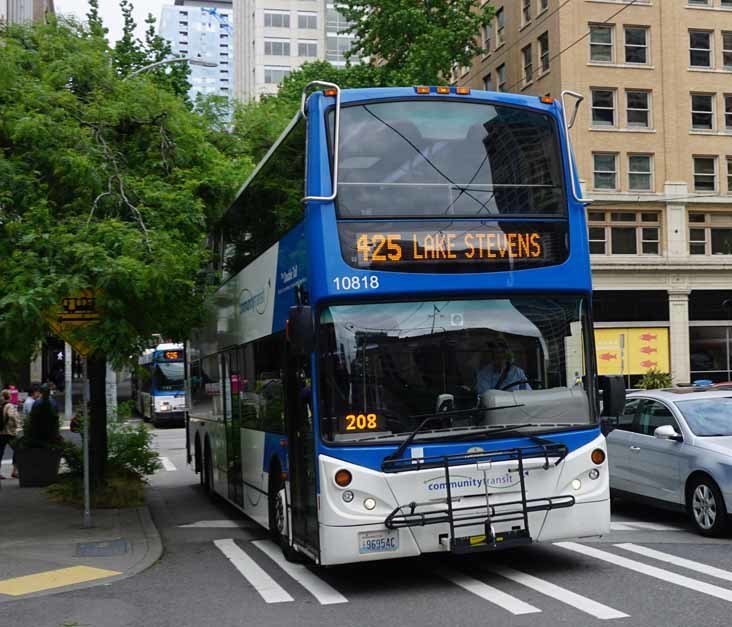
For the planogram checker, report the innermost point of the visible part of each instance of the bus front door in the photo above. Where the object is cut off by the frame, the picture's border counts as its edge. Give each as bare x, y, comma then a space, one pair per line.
302, 466
232, 423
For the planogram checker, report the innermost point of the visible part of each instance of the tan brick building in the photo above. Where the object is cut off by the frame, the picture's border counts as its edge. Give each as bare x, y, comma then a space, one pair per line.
653, 142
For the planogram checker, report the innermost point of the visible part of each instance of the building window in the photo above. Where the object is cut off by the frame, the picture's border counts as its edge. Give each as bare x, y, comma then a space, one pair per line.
640, 174
636, 44
500, 26
501, 71
729, 175
525, 12
528, 64
728, 112
710, 233
603, 107
638, 109
274, 75
544, 5
700, 48
699, 3
624, 232
307, 21
276, 20
702, 112
705, 174
488, 82
307, 49
276, 48
544, 52
487, 34
601, 43
727, 49
726, 4
605, 170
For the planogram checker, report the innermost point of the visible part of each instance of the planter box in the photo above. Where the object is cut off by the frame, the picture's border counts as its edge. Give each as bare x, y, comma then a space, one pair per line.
37, 467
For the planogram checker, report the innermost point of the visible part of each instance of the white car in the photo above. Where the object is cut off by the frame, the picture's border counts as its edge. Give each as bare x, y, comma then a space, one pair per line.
674, 448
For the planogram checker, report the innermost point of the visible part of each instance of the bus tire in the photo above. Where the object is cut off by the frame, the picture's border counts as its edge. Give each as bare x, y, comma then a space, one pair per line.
197, 461
207, 471
277, 516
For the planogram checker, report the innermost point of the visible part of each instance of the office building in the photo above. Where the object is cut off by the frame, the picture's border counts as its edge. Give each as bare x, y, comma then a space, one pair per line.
203, 30
19, 11
653, 143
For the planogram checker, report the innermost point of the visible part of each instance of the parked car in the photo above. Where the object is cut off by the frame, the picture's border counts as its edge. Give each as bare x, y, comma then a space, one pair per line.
674, 448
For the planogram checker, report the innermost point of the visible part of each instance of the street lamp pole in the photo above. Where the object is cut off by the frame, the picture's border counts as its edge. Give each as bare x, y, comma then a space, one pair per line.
191, 60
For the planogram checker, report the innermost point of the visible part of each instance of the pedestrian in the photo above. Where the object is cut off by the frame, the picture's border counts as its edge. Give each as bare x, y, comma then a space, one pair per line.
33, 395
8, 427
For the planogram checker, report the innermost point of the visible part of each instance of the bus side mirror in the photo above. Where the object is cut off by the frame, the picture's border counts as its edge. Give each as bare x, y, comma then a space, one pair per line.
301, 329
613, 395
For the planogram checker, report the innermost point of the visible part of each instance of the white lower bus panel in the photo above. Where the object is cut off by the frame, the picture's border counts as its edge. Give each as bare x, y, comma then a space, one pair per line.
350, 532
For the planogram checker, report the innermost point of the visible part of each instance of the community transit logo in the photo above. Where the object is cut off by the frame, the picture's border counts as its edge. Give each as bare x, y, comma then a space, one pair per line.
457, 482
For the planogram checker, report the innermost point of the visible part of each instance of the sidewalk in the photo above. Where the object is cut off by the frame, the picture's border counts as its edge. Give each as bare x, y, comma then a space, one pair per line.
45, 549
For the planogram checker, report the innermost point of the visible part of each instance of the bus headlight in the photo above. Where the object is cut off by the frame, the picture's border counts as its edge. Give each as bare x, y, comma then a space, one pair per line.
347, 496
594, 473
369, 503
576, 484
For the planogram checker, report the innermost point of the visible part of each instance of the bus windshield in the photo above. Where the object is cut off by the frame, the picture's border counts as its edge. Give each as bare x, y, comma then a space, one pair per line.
419, 158
480, 363
169, 376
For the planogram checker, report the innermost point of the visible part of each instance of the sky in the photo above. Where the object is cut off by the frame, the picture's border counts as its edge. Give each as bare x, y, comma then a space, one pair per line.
109, 10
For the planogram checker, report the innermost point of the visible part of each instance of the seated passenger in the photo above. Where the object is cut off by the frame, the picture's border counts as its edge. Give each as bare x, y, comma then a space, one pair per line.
498, 372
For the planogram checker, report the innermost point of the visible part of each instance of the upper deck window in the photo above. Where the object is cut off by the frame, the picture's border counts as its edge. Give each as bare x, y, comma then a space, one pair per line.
436, 158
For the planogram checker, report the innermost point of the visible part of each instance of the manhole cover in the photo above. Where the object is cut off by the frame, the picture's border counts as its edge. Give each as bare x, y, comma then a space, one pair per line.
106, 548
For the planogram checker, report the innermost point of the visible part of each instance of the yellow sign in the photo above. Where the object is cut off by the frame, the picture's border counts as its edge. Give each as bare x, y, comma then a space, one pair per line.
74, 312
632, 351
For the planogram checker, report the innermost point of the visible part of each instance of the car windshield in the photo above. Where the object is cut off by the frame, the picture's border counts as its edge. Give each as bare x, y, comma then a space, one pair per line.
478, 363
417, 158
708, 416
169, 376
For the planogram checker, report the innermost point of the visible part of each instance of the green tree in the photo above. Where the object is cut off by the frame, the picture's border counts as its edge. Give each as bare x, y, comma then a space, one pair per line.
107, 184
423, 39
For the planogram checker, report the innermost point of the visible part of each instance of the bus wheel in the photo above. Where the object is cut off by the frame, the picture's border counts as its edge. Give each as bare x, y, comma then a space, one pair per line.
198, 467
278, 517
207, 470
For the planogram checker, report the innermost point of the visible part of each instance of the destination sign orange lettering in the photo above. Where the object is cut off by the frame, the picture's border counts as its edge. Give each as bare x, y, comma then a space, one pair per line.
393, 248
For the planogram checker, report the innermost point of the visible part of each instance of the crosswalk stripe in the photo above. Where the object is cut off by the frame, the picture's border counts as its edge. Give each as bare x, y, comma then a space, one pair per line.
267, 587
645, 526
651, 571
323, 592
489, 593
598, 610
698, 567
167, 464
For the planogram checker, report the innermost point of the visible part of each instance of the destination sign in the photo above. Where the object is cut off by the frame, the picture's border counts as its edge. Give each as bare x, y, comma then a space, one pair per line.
468, 246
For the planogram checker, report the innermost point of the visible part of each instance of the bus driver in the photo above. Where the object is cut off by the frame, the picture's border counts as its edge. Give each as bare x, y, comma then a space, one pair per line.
498, 372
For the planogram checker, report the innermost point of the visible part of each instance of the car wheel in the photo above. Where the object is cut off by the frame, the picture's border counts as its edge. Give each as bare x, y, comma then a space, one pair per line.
706, 506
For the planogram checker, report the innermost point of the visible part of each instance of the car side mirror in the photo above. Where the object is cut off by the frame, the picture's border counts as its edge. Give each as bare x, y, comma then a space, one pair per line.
667, 432
613, 395
301, 329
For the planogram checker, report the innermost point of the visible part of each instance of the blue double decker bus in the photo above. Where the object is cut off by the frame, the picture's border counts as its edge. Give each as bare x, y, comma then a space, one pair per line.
401, 361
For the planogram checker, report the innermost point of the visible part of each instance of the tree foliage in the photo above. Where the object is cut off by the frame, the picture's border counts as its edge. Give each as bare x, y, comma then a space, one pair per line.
422, 39
105, 183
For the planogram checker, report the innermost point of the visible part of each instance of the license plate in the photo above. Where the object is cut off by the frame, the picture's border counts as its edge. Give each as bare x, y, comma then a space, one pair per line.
378, 541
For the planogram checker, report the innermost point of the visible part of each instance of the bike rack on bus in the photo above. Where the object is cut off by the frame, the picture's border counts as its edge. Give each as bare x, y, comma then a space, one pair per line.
489, 514
568, 125
337, 135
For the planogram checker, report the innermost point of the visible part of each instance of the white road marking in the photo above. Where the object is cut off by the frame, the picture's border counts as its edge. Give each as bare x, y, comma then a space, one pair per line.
698, 567
598, 610
213, 524
267, 587
632, 525
489, 593
322, 591
167, 464
651, 571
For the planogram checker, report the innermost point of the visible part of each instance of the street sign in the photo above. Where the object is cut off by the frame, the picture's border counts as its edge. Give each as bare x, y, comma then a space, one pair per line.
74, 312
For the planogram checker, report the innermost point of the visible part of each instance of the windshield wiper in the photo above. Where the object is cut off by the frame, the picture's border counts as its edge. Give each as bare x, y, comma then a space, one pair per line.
430, 417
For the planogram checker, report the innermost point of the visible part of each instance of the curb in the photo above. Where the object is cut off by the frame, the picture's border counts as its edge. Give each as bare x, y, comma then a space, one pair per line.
153, 552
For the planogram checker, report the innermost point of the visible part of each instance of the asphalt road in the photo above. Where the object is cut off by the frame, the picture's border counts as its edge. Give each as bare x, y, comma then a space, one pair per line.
652, 570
